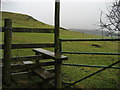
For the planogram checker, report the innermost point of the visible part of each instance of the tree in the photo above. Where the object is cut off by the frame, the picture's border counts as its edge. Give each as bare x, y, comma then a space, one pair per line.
111, 21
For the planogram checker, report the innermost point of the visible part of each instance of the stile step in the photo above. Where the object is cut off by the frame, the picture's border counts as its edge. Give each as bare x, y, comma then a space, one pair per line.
49, 54
43, 73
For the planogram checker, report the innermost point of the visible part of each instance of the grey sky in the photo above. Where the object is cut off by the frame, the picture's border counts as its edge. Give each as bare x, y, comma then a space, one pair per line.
80, 14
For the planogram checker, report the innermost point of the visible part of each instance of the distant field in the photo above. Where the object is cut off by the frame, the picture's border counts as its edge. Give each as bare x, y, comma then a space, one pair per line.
105, 79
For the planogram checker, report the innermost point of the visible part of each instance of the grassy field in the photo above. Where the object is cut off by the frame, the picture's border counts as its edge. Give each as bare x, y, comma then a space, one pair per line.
106, 79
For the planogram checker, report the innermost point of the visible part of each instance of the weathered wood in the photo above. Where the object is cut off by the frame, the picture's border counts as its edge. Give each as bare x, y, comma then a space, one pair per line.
24, 46
58, 64
58, 72
7, 52
26, 58
56, 35
43, 73
51, 70
19, 73
49, 54
30, 30
37, 60
30, 66
26, 72
28, 62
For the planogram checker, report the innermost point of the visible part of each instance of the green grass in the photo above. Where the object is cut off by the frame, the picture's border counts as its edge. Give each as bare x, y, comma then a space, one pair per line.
20, 20
105, 79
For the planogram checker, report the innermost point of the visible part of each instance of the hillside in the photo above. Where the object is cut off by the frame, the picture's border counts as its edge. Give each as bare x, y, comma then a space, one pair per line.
105, 79
21, 20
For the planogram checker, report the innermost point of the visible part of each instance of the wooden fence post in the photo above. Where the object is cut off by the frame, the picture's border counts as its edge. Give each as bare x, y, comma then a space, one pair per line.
58, 64
7, 52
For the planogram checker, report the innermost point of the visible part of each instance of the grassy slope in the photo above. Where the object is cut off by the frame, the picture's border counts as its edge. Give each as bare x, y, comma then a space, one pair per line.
20, 20
106, 79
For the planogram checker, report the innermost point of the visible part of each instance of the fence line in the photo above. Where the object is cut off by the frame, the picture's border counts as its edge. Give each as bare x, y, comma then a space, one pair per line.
30, 30
91, 53
95, 66
25, 46
63, 40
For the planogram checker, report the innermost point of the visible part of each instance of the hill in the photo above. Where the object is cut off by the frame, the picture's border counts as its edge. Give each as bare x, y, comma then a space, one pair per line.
106, 79
22, 20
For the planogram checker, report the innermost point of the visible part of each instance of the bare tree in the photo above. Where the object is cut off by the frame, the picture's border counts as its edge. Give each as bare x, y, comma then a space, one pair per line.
111, 21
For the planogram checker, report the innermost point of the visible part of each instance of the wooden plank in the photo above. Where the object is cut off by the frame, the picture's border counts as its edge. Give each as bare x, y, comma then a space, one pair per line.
49, 54
43, 73
49, 63
37, 60
30, 30
26, 58
51, 70
35, 30
19, 73
7, 53
27, 62
24, 46
29, 66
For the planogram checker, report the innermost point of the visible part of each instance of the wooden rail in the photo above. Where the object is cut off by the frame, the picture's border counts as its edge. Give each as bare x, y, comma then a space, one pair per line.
30, 30
27, 58
25, 46
30, 66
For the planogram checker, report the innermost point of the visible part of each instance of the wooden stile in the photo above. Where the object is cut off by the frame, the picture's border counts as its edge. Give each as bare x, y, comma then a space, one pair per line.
40, 53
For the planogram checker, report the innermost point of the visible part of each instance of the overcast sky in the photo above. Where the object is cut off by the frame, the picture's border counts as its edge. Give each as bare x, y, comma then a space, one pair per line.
79, 14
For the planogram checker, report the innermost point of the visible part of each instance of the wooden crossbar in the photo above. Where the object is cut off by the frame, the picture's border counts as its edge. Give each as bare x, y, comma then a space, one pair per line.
26, 58
29, 66
30, 30
24, 46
